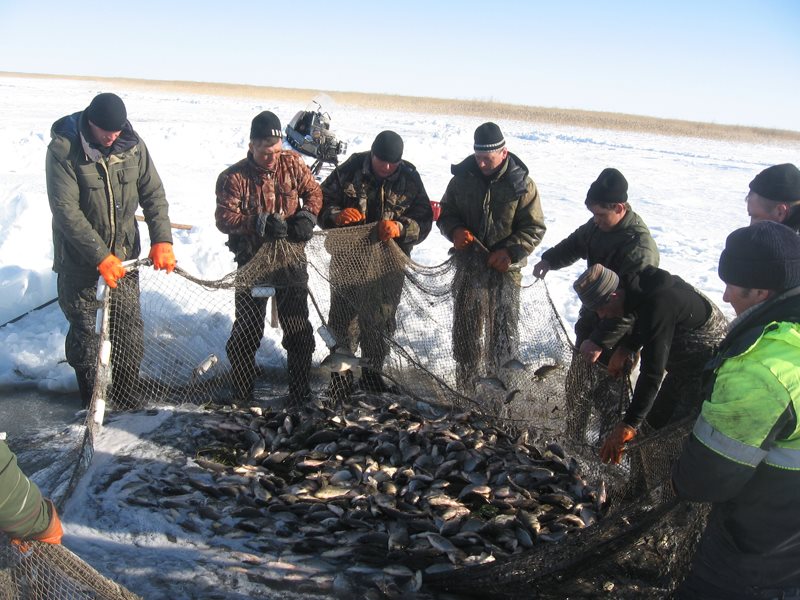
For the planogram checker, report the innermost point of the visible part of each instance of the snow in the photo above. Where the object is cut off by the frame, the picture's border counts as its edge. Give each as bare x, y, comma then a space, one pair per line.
689, 191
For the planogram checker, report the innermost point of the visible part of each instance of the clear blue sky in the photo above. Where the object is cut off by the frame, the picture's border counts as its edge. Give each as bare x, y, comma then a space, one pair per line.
734, 62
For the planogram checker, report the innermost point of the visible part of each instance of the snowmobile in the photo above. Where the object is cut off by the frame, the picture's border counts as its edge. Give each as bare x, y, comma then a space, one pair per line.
309, 132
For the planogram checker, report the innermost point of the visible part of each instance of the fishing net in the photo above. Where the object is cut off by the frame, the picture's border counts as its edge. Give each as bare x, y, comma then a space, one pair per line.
452, 343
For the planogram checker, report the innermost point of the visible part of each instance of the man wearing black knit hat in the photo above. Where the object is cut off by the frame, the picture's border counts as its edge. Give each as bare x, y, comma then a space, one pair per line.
259, 204
492, 213
99, 172
775, 196
378, 188
743, 455
615, 237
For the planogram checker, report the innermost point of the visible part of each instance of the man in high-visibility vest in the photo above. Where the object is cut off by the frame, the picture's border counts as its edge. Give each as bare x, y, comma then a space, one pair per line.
743, 455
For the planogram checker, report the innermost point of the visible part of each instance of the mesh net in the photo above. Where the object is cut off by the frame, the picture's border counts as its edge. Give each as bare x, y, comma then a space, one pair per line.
442, 405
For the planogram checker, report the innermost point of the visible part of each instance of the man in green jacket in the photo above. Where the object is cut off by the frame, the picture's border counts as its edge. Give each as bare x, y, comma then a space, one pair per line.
743, 455
379, 187
98, 173
492, 207
615, 237
24, 514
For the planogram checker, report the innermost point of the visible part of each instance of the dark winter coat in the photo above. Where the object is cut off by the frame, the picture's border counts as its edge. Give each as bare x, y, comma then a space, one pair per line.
744, 454
626, 250
23, 511
503, 211
245, 190
665, 308
400, 197
94, 196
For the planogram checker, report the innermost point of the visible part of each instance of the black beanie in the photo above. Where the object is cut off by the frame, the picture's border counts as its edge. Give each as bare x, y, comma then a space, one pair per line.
610, 187
388, 147
265, 125
488, 138
107, 111
779, 183
764, 256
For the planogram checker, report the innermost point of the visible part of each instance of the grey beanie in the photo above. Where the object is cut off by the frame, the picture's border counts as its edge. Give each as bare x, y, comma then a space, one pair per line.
595, 286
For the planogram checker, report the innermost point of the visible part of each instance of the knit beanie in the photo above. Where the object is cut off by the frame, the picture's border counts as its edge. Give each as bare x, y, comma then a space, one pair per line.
488, 138
388, 147
779, 183
265, 125
609, 188
107, 111
595, 286
764, 255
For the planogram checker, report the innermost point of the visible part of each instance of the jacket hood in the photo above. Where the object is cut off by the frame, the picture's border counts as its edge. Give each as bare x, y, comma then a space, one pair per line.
647, 282
74, 127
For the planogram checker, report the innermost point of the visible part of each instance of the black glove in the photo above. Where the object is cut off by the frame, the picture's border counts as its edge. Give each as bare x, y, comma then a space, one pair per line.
271, 226
301, 226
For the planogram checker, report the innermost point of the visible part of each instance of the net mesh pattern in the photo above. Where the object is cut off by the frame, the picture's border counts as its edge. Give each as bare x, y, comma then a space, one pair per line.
456, 335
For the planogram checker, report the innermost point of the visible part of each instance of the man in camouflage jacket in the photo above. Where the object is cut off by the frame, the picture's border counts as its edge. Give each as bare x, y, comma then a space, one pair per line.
258, 202
372, 187
492, 206
98, 173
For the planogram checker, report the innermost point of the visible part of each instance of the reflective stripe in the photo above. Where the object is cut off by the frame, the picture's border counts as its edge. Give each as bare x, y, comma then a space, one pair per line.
784, 458
726, 446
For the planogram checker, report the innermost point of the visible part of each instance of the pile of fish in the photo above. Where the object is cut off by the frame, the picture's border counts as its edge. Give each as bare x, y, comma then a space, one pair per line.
401, 488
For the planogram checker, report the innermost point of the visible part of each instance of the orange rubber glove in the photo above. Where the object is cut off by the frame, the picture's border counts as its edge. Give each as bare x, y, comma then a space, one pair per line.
499, 260
51, 535
54, 532
462, 238
614, 446
388, 230
162, 256
349, 216
112, 270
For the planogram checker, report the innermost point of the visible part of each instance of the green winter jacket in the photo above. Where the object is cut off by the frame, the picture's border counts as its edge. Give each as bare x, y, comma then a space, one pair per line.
744, 453
628, 248
94, 197
503, 211
23, 511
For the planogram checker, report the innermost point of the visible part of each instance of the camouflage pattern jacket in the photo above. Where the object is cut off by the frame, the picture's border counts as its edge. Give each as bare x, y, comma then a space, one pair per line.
244, 190
94, 196
503, 211
400, 197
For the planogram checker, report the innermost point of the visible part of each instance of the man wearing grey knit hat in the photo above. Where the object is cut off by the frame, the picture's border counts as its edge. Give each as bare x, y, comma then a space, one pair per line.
675, 328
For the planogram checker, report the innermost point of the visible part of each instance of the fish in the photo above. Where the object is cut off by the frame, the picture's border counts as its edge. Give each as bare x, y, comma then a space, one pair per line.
490, 383
341, 361
514, 364
545, 371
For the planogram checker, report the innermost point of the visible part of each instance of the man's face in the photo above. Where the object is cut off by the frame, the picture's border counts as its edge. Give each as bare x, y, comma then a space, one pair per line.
103, 137
383, 169
265, 153
614, 308
490, 162
761, 209
607, 218
743, 298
